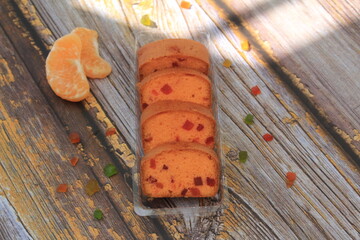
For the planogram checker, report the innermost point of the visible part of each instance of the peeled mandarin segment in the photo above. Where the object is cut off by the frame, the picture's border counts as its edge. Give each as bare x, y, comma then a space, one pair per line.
94, 65
64, 71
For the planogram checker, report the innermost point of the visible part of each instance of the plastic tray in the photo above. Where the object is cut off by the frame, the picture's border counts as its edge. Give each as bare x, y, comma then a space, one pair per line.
145, 206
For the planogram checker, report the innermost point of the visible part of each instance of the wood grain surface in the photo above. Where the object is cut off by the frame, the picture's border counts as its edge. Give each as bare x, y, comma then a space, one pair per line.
304, 59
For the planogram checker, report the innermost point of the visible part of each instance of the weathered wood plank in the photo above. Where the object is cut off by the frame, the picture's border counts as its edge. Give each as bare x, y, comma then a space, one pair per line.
35, 153
323, 203
319, 46
10, 227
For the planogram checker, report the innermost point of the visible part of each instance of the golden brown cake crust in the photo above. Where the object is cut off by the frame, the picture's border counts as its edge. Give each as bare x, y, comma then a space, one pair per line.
171, 71
179, 146
169, 47
173, 105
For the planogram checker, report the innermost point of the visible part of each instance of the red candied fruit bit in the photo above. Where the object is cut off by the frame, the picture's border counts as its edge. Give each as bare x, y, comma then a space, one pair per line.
268, 137
291, 176
174, 64
177, 138
74, 161
74, 137
188, 125
149, 139
200, 127
159, 185
195, 191
198, 181
255, 90
183, 192
154, 92
165, 167
209, 140
62, 188
210, 181
151, 179
166, 89
144, 105
152, 163
110, 131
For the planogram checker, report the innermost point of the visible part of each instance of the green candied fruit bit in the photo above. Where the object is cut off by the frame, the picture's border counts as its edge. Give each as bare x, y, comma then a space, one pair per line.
92, 187
110, 170
249, 119
243, 156
98, 214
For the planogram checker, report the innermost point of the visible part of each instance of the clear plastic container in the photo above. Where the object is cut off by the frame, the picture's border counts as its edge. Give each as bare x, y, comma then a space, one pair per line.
145, 206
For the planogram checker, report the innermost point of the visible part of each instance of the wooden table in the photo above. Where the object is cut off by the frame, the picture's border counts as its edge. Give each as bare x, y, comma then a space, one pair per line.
304, 57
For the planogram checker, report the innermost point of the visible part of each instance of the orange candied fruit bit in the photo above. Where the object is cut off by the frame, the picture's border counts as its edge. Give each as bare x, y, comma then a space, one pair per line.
74, 137
62, 188
227, 63
74, 161
185, 4
245, 45
110, 131
290, 179
291, 176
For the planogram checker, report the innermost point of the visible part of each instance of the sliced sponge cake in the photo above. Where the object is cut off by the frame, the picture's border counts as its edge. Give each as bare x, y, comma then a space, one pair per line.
180, 170
175, 121
175, 84
172, 53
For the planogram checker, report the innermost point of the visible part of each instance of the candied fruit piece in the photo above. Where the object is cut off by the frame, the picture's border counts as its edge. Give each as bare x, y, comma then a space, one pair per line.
249, 119
185, 4
245, 45
110, 131
195, 192
74, 161
291, 176
198, 181
184, 191
74, 137
255, 90
110, 170
146, 21
209, 140
200, 127
290, 179
188, 125
159, 185
98, 214
62, 188
210, 181
227, 63
151, 179
149, 139
166, 89
92, 187
152, 163
243, 156
268, 137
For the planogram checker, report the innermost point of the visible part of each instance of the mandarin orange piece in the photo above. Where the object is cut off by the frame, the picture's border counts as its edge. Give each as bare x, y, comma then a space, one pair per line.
64, 71
94, 65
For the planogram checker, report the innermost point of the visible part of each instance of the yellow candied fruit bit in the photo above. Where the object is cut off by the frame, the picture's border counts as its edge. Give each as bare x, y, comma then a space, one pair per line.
146, 21
185, 4
227, 63
245, 45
